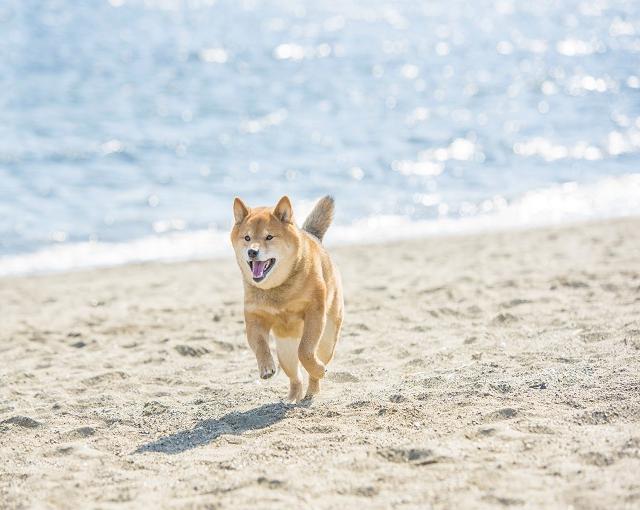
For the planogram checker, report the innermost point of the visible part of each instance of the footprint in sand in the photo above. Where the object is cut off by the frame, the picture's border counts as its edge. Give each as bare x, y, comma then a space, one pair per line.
432, 382
194, 352
568, 283
474, 310
538, 428
480, 433
514, 302
108, 377
342, 377
366, 492
501, 414
322, 429
270, 483
501, 386
416, 363
594, 418
82, 451
80, 432
154, 408
225, 346
359, 404
593, 336
504, 318
598, 459
22, 421
414, 456
632, 338
502, 500
402, 353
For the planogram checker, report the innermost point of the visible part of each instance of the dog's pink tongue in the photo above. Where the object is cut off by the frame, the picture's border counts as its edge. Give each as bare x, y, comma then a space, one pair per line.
258, 268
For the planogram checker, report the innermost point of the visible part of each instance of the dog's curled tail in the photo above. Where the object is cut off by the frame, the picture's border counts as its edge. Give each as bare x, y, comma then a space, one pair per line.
319, 219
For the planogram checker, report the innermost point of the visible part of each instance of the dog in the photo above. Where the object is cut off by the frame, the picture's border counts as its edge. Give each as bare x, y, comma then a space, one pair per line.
292, 290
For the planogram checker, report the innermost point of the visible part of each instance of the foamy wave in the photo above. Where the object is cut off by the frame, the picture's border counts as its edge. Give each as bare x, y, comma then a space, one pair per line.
609, 198
167, 248
612, 197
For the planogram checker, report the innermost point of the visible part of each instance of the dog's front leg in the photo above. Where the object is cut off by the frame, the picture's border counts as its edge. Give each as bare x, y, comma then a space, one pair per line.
258, 338
312, 332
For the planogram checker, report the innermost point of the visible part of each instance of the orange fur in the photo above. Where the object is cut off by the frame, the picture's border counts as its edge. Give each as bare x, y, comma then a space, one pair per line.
299, 301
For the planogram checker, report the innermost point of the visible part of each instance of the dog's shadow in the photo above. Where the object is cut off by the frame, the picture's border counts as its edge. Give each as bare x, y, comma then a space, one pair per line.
206, 431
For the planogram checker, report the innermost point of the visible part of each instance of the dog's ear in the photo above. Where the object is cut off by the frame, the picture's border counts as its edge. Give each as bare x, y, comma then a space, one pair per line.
283, 211
240, 210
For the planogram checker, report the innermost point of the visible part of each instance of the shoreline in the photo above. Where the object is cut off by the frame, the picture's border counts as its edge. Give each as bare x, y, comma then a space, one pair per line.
609, 198
332, 245
493, 369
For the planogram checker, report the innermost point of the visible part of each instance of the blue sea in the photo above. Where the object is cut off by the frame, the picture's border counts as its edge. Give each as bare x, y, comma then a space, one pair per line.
128, 126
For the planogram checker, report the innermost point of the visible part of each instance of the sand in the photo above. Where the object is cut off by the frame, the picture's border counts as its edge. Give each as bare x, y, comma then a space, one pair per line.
495, 370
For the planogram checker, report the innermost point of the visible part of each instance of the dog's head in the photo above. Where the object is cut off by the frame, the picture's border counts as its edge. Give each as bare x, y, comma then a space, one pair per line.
266, 242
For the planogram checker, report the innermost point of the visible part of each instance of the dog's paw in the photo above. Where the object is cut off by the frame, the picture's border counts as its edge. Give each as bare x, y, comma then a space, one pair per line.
267, 369
267, 372
313, 388
296, 393
316, 370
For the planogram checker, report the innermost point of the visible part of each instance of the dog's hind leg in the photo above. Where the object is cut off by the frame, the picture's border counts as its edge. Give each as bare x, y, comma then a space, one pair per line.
314, 322
325, 351
287, 349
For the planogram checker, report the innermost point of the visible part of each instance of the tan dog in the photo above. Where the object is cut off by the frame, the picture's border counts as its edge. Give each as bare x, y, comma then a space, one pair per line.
292, 289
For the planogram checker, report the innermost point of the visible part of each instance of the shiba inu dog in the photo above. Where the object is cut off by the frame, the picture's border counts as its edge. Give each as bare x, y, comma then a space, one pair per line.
292, 290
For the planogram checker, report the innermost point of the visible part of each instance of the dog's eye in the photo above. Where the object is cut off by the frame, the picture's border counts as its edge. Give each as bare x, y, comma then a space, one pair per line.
247, 238
269, 237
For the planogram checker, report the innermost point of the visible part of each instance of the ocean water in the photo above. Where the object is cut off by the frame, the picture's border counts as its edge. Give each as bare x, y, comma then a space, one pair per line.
128, 126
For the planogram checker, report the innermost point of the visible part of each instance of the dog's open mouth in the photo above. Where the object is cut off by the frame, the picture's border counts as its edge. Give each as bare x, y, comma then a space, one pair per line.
260, 268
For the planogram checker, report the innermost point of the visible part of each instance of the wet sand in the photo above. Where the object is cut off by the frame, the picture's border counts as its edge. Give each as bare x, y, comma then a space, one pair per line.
494, 370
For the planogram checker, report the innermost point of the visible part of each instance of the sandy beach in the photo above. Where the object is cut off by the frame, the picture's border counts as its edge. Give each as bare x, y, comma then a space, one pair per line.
493, 370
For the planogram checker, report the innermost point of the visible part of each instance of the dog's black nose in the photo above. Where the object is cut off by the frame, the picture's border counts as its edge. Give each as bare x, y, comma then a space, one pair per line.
252, 254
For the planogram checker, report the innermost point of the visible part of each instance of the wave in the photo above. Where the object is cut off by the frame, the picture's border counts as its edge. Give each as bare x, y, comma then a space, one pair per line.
612, 197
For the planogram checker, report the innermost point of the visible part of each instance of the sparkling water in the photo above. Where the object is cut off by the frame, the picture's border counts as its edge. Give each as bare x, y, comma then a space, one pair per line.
128, 126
